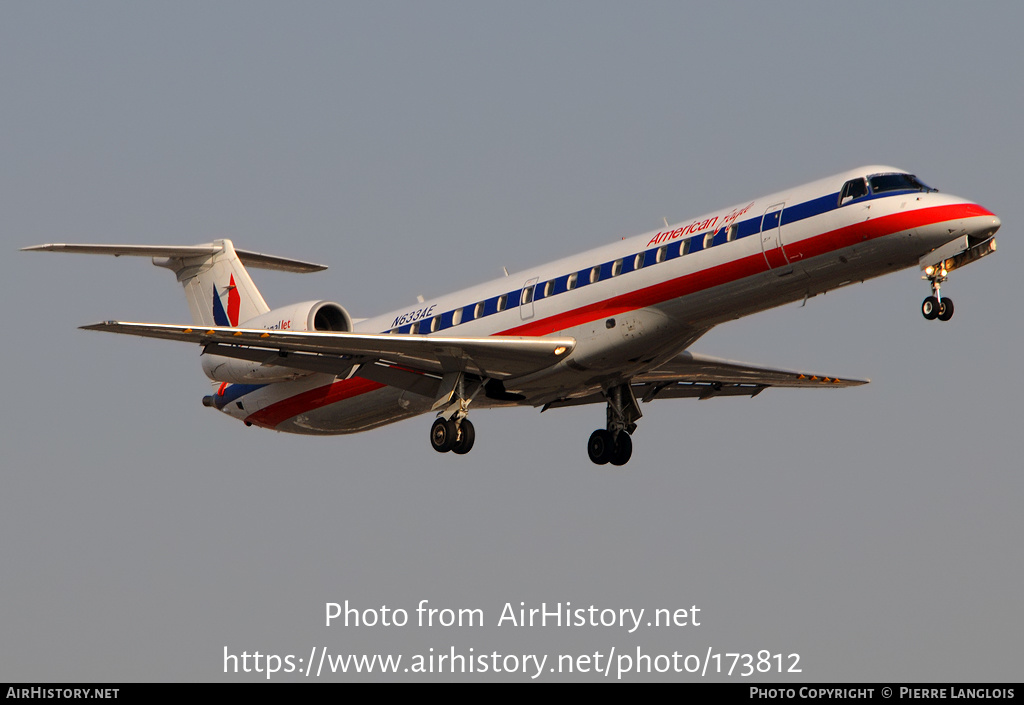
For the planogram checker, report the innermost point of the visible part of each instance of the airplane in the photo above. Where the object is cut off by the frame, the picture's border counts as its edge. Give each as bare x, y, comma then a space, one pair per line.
612, 325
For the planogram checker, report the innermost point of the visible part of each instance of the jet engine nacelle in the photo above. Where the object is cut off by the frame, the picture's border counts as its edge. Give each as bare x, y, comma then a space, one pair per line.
309, 315
306, 316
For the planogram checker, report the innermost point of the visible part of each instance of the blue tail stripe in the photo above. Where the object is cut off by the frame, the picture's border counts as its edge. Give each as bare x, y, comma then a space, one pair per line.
220, 317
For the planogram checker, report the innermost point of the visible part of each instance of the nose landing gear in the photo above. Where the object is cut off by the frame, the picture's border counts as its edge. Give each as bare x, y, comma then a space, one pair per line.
938, 264
936, 306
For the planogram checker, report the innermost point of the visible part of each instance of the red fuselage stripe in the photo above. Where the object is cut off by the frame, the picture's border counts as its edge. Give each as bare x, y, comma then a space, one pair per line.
312, 399
648, 296
747, 266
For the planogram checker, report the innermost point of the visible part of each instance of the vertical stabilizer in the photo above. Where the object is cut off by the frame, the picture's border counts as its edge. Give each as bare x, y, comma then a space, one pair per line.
217, 286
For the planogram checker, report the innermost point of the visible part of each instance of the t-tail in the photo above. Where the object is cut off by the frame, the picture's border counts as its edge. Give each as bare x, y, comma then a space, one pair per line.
221, 294
218, 288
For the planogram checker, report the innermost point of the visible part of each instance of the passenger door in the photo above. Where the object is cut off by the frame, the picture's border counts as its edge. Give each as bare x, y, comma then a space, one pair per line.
526, 300
771, 236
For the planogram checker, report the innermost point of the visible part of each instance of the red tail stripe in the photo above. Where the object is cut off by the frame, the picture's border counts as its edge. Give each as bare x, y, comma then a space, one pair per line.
234, 302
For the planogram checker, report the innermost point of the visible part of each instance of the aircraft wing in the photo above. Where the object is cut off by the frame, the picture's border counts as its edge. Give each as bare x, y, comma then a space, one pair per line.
691, 375
496, 357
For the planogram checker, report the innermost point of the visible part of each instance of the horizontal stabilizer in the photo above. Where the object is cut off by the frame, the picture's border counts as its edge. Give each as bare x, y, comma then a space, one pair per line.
250, 259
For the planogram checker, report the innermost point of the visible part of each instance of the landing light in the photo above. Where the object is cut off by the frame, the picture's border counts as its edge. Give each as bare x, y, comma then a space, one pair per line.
929, 270
943, 273
559, 350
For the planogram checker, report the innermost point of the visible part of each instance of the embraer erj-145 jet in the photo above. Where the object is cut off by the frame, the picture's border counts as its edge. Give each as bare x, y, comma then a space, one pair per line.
612, 325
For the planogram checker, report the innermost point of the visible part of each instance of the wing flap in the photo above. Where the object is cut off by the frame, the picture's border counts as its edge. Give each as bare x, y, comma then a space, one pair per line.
693, 367
694, 376
498, 357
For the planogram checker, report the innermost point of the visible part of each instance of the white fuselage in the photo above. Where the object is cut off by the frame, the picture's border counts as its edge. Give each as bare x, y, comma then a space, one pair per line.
636, 303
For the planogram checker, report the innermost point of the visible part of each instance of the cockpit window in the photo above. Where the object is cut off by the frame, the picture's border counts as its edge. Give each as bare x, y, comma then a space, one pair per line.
852, 190
897, 182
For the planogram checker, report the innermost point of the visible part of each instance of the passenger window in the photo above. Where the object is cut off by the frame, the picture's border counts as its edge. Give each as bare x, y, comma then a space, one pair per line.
479, 310
456, 316
595, 274
527, 295
638, 261
661, 254
852, 190
435, 323
549, 288
502, 301
616, 267
731, 235
709, 240
570, 284
684, 247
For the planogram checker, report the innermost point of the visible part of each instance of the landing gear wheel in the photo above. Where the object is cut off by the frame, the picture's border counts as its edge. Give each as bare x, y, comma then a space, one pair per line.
945, 309
601, 446
930, 308
623, 449
442, 435
467, 436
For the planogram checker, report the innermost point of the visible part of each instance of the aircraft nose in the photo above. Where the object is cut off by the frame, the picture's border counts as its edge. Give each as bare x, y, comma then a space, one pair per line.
983, 223
987, 227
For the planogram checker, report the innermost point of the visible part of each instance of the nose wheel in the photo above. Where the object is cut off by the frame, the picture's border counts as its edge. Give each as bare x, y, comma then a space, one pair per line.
933, 308
936, 306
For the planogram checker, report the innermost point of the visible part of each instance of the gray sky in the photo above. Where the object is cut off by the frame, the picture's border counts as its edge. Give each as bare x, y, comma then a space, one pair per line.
418, 148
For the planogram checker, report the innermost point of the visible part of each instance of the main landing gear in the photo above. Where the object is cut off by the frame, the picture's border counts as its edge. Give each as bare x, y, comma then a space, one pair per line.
452, 430
935, 306
614, 444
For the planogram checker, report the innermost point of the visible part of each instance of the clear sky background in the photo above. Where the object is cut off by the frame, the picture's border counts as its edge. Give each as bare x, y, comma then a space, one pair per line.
418, 148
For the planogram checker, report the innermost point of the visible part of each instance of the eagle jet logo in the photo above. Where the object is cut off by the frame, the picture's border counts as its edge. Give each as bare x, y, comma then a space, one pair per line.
229, 317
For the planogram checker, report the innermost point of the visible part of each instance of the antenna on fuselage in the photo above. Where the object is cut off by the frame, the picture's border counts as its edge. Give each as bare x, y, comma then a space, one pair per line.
505, 269
665, 220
